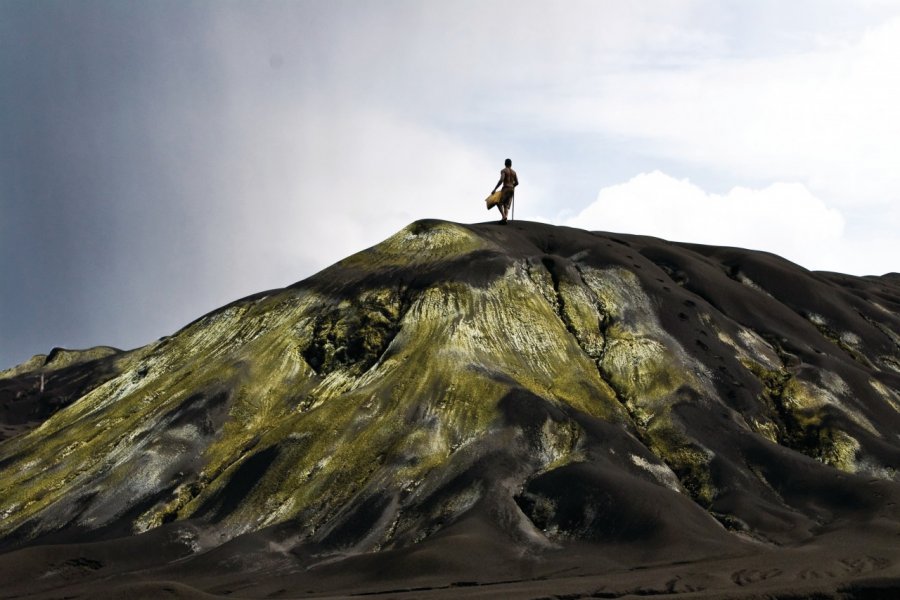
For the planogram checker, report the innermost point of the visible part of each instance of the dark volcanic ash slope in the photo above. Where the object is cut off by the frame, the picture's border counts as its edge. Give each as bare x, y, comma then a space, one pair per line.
478, 402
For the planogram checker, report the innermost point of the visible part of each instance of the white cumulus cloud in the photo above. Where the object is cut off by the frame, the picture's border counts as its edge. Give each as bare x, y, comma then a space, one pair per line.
784, 218
826, 116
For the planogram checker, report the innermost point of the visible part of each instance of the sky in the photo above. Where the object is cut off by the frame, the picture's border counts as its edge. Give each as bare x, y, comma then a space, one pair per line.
161, 159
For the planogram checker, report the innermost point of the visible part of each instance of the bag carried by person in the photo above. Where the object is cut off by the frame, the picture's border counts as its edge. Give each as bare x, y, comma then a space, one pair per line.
494, 199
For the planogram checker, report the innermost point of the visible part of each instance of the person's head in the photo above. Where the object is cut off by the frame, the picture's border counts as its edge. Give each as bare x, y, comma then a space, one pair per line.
508, 163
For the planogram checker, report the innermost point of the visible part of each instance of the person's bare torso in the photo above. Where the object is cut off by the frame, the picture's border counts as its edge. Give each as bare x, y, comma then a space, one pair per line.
510, 180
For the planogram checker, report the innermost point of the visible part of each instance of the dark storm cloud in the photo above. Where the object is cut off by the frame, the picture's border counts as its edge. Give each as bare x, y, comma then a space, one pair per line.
100, 106
161, 159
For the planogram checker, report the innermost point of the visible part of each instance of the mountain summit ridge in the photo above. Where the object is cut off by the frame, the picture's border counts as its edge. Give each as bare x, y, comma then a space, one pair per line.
528, 388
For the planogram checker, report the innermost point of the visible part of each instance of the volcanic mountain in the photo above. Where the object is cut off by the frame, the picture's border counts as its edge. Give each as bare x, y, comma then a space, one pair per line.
484, 411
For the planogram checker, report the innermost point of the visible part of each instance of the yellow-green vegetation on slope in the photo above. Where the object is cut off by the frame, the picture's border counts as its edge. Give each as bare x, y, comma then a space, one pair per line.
416, 244
387, 428
291, 405
886, 393
121, 443
800, 416
648, 368
811, 428
800, 413
760, 359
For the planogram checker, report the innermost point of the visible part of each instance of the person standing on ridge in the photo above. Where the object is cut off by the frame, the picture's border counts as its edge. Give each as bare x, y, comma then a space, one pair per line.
509, 180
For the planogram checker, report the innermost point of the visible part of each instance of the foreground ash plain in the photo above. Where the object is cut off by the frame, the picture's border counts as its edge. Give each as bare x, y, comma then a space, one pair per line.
475, 411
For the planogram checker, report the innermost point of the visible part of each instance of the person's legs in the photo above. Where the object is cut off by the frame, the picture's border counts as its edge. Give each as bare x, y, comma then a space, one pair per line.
504, 204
